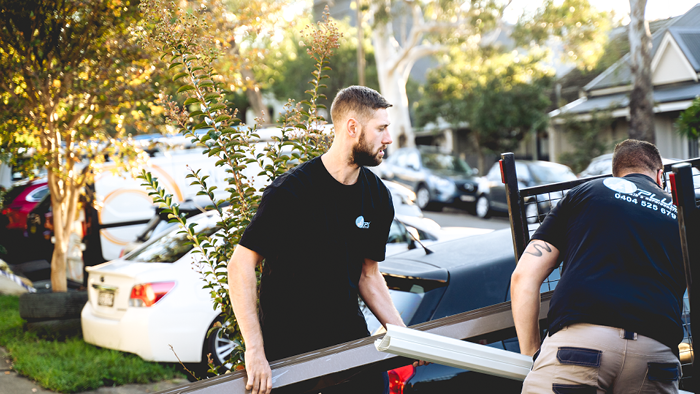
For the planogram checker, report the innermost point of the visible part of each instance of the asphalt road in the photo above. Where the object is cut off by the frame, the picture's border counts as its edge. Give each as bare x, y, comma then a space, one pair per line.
451, 217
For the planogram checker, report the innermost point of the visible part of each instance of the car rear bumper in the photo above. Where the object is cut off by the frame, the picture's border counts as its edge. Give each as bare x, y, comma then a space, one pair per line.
149, 333
128, 334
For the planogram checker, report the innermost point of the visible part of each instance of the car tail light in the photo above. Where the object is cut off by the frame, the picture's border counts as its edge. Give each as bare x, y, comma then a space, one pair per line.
399, 377
147, 294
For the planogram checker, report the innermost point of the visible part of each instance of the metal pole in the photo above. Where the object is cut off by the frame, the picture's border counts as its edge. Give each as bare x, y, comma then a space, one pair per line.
689, 228
515, 205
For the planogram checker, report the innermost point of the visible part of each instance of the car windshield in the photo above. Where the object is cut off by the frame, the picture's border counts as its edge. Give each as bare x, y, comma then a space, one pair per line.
551, 174
169, 248
443, 162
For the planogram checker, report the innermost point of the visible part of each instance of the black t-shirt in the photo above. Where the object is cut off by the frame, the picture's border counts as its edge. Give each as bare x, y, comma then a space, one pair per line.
622, 262
315, 233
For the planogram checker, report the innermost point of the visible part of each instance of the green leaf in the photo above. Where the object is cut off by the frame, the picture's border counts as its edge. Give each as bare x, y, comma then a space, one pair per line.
196, 113
179, 75
202, 125
174, 65
191, 100
216, 107
185, 88
221, 117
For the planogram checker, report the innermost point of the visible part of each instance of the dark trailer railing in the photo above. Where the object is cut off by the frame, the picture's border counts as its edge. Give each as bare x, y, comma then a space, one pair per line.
545, 197
323, 369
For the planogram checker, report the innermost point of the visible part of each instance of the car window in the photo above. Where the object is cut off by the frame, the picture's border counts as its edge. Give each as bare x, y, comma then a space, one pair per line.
494, 173
400, 158
523, 172
551, 174
397, 233
38, 194
412, 160
444, 162
169, 248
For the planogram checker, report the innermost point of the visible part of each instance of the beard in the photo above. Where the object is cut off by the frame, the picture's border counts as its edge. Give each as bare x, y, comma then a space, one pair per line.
362, 153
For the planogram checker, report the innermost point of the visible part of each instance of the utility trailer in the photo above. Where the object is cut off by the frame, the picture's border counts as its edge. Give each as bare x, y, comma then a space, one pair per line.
322, 370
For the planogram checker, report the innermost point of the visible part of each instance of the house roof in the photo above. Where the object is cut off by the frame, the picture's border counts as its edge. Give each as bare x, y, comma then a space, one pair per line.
662, 95
688, 39
684, 28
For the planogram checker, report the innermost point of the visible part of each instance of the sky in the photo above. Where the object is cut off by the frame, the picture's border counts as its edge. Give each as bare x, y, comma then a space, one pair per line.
656, 9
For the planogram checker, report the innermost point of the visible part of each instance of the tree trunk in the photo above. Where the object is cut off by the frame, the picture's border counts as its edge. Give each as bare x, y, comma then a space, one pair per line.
360, 48
255, 97
642, 97
481, 160
64, 202
392, 83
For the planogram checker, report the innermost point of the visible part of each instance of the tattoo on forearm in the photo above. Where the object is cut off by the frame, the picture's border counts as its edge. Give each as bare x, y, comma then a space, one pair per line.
538, 248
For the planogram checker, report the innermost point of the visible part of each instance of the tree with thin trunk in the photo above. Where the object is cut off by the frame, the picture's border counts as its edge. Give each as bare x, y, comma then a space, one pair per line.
72, 78
642, 96
433, 28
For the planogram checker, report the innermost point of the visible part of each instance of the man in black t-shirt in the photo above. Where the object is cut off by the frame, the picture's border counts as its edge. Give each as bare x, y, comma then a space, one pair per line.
615, 316
321, 229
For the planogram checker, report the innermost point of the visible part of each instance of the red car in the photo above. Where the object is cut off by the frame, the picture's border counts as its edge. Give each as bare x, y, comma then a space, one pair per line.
21, 199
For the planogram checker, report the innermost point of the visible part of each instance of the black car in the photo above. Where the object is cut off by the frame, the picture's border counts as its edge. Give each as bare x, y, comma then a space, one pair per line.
492, 193
437, 178
459, 276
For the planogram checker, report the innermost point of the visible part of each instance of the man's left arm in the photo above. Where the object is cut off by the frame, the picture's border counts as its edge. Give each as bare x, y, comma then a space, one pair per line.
375, 293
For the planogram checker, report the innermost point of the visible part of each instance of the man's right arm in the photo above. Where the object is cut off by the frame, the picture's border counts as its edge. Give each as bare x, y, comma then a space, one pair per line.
537, 262
242, 288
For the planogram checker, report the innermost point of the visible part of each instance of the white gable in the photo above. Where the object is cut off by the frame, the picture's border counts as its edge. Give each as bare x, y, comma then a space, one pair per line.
670, 65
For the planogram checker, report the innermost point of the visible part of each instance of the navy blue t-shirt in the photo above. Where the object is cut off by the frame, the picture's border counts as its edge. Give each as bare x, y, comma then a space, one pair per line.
622, 261
314, 233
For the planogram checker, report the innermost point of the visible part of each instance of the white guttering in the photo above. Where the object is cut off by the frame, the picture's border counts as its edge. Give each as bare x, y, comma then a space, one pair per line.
442, 350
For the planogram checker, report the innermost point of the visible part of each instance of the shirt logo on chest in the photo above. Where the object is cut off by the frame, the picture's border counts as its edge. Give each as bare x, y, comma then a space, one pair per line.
360, 222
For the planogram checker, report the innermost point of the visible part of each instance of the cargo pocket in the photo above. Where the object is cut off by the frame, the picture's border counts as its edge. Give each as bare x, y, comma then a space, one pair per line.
577, 369
661, 378
573, 389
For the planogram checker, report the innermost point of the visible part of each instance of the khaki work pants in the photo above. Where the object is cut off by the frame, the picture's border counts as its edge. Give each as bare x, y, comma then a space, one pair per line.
588, 358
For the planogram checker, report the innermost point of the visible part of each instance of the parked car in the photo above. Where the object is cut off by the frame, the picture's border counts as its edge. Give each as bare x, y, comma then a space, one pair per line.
602, 165
152, 298
598, 166
492, 192
402, 198
437, 178
21, 199
459, 276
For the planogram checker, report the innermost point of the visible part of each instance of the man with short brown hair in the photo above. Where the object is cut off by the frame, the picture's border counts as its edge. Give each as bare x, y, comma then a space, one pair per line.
615, 316
321, 228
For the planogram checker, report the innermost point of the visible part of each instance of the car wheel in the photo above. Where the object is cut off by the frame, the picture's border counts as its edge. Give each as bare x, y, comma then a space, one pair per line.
423, 197
482, 208
218, 346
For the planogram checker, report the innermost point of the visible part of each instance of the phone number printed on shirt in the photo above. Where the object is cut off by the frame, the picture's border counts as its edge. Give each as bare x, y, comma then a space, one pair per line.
647, 204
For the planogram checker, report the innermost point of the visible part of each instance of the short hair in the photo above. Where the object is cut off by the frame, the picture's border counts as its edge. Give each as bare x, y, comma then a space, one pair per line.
636, 155
360, 101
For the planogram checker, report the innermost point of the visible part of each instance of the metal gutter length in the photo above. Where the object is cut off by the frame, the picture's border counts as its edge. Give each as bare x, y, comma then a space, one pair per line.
325, 367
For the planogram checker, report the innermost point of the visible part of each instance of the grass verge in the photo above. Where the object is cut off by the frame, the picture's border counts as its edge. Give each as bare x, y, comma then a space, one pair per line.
68, 364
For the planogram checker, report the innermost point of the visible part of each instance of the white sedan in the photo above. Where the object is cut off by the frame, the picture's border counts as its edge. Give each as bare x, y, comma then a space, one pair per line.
152, 298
